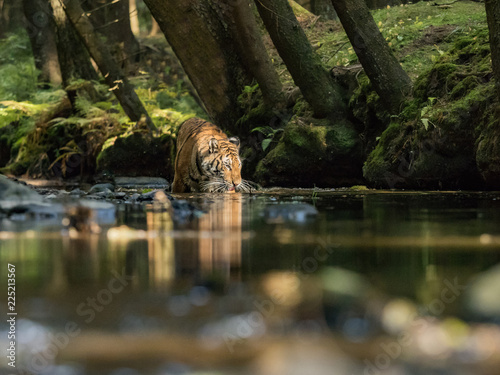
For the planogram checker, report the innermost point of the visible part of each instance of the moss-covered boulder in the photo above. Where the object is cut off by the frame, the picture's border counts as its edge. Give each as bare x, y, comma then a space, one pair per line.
488, 149
437, 149
444, 137
318, 153
138, 154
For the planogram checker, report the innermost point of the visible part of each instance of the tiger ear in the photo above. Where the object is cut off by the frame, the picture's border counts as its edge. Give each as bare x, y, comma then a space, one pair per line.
213, 146
235, 141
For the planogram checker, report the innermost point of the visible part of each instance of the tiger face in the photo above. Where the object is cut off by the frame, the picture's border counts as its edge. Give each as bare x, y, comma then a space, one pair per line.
221, 166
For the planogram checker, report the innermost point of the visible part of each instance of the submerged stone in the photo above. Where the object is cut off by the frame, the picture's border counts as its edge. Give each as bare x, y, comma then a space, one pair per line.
289, 212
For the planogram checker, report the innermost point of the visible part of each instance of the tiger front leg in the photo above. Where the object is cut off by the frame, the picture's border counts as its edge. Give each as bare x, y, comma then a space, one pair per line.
178, 186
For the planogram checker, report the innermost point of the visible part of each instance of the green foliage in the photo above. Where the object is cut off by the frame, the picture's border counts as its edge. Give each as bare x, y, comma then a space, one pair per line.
417, 33
424, 112
269, 134
18, 76
249, 97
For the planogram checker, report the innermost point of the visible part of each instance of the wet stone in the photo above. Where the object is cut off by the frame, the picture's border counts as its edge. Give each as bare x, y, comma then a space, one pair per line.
76, 192
101, 187
13, 194
142, 182
120, 195
134, 197
148, 197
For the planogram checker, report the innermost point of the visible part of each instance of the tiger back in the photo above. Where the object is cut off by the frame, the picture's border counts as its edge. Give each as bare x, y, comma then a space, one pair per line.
207, 160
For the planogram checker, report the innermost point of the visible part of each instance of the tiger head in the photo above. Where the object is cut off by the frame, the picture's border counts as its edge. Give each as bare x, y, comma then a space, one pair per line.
222, 166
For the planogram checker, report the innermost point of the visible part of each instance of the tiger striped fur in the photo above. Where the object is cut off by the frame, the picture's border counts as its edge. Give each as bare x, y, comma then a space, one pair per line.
207, 160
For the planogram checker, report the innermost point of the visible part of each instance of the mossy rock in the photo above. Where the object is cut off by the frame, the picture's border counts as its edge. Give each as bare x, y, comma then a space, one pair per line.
6, 133
310, 155
138, 154
440, 156
437, 82
488, 149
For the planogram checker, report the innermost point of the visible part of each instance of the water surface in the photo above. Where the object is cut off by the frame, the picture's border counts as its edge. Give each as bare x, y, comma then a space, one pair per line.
322, 274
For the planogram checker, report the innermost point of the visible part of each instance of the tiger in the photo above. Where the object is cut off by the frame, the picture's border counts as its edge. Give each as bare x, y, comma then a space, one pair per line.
207, 160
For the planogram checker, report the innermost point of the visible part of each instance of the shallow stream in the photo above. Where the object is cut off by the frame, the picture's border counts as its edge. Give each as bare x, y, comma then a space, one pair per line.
278, 282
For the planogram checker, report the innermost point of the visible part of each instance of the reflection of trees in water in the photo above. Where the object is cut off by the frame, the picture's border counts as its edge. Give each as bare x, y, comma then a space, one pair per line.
213, 250
209, 251
154, 255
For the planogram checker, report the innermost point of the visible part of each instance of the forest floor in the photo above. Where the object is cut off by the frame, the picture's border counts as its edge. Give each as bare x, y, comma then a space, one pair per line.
42, 134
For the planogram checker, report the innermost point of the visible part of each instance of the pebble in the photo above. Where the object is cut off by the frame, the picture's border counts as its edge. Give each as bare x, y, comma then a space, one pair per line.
106, 193
120, 195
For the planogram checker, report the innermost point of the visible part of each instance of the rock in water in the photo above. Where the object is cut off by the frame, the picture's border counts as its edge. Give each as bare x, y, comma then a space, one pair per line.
142, 182
101, 187
20, 203
13, 194
481, 302
289, 212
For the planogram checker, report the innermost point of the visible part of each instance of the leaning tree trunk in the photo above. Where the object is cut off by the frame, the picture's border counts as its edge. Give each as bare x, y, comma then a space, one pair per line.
3, 20
73, 56
134, 18
41, 31
493, 16
155, 28
254, 53
111, 72
387, 76
303, 64
208, 54
12, 18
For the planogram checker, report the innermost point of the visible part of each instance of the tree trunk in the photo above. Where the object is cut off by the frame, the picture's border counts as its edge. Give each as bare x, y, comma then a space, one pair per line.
11, 16
73, 57
41, 31
208, 53
3, 20
111, 18
255, 56
387, 76
303, 64
493, 17
110, 70
134, 18
155, 28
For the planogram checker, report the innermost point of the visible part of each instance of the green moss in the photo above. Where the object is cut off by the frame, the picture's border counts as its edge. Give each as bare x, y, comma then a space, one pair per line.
464, 86
137, 154
320, 153
18, 76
